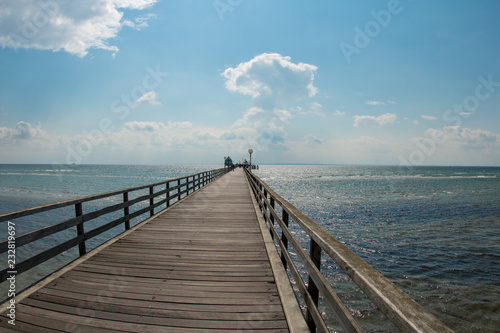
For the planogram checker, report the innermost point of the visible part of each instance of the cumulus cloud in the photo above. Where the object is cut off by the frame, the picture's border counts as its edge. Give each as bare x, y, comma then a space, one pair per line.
71, 26
273, 81
271, 74
372, 121
22, 132
149, 97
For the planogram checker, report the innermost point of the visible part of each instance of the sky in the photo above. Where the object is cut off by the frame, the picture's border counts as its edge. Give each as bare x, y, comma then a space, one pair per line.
192, 81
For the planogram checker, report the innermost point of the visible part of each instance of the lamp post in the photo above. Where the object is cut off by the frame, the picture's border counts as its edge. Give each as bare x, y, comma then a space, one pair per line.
250, 151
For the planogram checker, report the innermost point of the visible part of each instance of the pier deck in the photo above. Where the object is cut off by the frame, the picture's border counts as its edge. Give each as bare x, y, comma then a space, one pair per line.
202, 265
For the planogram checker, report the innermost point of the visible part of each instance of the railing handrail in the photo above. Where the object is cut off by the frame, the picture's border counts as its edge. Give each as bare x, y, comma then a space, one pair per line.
180, 190
406, 314
60, 204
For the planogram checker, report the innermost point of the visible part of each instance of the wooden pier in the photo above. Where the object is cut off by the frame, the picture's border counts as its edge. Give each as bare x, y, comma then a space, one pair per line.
204, 259
202, 265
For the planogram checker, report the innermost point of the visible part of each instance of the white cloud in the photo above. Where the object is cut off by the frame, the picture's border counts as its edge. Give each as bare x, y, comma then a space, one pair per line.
385, 119
71, 26
338, 113
315, 109
272, 74
273, 81
147, 126
149, 97
316, 105
22, 132
428, 117
466, 137
378, 103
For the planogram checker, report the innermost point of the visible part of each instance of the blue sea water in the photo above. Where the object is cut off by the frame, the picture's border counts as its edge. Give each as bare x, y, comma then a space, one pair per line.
433, 231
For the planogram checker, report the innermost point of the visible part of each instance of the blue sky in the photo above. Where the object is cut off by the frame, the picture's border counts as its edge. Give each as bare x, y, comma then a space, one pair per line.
335, 82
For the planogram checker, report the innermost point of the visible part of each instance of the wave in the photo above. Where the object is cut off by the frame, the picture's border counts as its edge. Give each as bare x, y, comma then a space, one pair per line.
396, 177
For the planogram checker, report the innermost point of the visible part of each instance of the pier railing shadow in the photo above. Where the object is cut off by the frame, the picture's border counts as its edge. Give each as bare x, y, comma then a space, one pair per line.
93, 216
405, 313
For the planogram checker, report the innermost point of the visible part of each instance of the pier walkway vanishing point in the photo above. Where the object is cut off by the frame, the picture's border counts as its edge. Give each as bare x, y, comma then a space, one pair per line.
205, 263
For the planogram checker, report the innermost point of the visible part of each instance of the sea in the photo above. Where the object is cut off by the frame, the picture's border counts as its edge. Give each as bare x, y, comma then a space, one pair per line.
433, 231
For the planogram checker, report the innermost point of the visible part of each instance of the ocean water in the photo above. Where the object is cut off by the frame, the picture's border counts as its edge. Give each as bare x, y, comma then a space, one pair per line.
23, 186
433, 231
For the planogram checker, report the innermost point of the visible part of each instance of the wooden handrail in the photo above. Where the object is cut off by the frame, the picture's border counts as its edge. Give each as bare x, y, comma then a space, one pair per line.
406, 314
185, 186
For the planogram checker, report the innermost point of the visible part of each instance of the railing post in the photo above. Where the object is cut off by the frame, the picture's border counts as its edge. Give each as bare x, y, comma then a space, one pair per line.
271, 216
284, 217
151, 201
315, 254
168, 193
79, 229
126, 211
179, 190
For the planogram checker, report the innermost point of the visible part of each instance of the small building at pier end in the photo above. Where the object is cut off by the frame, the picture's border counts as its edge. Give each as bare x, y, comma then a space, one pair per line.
228, 162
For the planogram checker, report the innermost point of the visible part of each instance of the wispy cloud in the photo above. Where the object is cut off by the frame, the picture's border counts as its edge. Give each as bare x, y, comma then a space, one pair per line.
374, 103
466, 138
338, 113
379, 103
312, 139
372, 121
315, 109
149, 97
428, 117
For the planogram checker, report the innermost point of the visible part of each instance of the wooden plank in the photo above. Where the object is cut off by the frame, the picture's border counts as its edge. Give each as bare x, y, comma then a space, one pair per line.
220, 287
97, 287
114, 319
139, 308
147, 302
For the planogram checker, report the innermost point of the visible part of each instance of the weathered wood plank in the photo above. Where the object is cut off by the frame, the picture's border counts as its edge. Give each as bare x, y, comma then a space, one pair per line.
140, 308
146, 302
60, 312
222, 287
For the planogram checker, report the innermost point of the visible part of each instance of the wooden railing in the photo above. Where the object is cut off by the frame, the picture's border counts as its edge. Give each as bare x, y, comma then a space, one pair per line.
171, 191
406, 314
